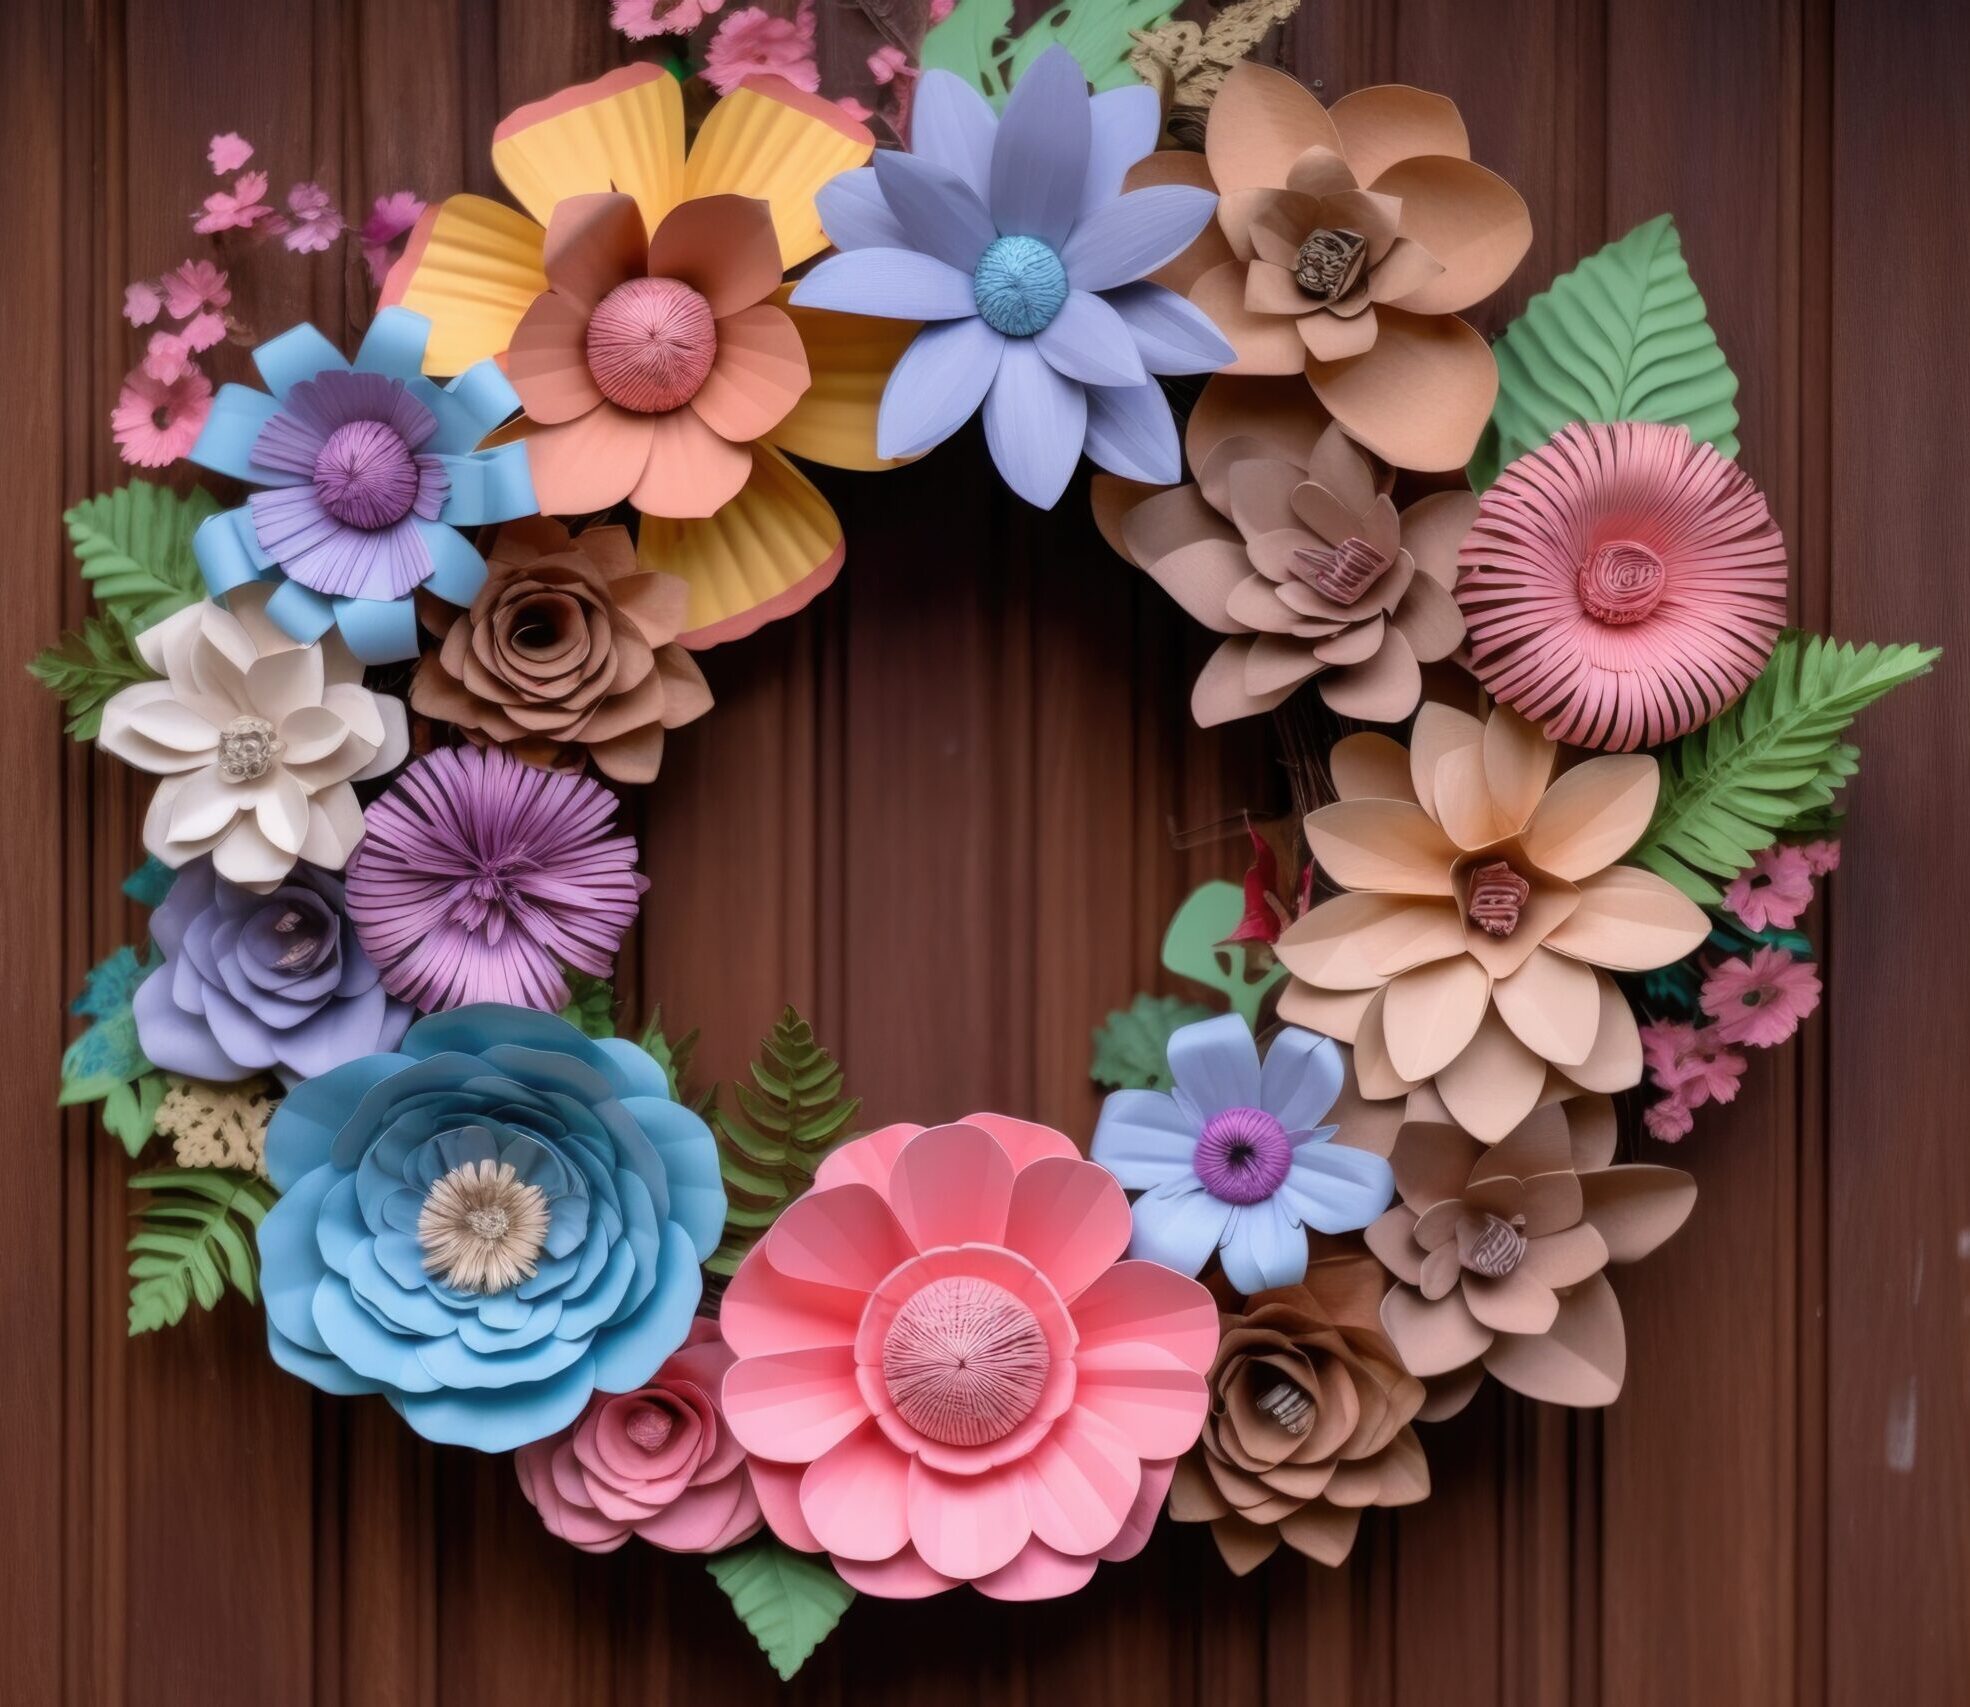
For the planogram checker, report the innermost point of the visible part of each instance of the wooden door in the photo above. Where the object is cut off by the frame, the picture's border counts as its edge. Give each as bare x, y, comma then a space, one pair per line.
936, 811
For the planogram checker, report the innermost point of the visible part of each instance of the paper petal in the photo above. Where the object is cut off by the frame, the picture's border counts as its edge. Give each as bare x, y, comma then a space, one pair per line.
1040, 156
1035, 421
937, 386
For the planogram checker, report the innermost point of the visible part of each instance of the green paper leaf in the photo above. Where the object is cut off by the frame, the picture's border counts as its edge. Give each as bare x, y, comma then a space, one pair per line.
977, 42
770, 1145
135, 548
1131, 1048
591, 1005
674, 1058
1194, 947
150, 882
1623, 337
130, 1111
789, 1601
85, 668
1769, 763
107, 1055
194, 1238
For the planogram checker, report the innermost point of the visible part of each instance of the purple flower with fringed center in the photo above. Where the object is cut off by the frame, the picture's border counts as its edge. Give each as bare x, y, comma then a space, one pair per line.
1235, 1160
480, 879
368, 472
1012, 238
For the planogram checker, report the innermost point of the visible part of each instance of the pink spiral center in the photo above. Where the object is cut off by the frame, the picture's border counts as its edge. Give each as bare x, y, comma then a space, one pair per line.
651, 344
1621, 582
365, 475
1341, 573
964, 1361
649, 1428
1242, 1155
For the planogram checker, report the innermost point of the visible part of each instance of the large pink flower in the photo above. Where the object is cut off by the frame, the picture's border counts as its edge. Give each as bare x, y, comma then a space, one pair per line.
945, 1373
1621, 585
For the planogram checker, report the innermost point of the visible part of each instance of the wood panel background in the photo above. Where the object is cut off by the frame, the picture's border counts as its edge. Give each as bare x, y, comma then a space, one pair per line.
936, 811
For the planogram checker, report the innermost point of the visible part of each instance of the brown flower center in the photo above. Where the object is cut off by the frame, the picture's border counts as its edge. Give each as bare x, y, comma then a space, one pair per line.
1489, 1245
1621, 582
650, 344
1330, 263
1341, 573
1497, 897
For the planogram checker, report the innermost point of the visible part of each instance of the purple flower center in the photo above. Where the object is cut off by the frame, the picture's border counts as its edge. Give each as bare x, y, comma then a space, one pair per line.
1243, 1155
964, 1361
485, 901
365, 475
1621, 582
651, 343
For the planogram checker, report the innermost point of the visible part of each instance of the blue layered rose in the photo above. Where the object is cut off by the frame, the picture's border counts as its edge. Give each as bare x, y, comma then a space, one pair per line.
487, 1225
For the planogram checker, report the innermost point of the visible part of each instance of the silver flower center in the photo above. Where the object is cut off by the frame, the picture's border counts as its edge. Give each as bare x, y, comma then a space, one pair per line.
248, 748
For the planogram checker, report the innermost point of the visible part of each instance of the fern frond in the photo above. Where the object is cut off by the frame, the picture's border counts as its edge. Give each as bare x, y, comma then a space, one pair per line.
194, 1238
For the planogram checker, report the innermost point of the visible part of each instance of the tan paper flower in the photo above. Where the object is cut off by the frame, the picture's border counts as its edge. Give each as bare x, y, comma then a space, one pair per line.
1484, 911
567, 653
1287, 544
1498, 1252
1346, 242
1309, 1422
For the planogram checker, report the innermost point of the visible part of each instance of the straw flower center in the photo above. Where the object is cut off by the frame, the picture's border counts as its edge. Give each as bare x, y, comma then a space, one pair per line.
1490, 1245
964, 1361
481, 1229
1621, 582
1341, 573
1242, 1155
651, 343
248, 748
365, 476
1330, 263
1019, 285
1497, 897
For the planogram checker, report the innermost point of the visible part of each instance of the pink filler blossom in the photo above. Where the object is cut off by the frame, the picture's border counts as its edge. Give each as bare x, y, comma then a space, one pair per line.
390, 219
156, 423
754, 43
316, 222
141, 302
1774, 892
1760, 1003
228, 152
642, 19
237, 211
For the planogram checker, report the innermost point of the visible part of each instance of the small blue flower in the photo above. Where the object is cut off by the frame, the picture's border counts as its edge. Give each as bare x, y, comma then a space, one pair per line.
487, 1224
1235, 1160
367, 471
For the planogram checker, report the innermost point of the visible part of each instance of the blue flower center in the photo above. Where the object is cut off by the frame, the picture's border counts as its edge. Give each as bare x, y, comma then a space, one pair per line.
1019, 286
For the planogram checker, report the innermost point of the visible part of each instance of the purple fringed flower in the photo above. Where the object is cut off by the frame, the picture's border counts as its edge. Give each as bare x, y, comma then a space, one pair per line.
480, 878
252, 982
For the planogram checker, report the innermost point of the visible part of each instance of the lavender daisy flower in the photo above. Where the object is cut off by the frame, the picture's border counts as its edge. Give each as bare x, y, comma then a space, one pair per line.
1235, 1160
368, 472
1012, 238
480, 878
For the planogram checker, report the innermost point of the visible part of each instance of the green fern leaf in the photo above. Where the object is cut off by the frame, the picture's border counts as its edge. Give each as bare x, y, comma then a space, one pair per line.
1623, 337
789, 1601
977, 41
591, 1005
769, 1145
1768, 764
1131, 1048
194, 1238
135, 548
85, 668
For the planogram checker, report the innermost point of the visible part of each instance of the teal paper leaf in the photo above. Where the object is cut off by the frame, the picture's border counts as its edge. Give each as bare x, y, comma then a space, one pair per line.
977, 42
1194, 947
107, 1055
135, 548
194, 1238
150, 882
1131, 1048
1623, 337
789, 1601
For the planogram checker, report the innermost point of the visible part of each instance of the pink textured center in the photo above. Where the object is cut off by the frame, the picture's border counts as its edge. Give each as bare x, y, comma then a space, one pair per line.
649, 1428
365, 475
651, 344
1497, 896
964, 1361
1242, 1155
1621, 582
1341, 573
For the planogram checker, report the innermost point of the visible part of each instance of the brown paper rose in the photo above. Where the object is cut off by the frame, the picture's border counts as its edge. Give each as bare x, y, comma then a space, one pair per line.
566, 654
1309, 1422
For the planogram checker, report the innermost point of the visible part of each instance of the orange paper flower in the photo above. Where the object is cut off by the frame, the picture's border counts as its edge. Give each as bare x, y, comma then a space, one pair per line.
1484, 913
1346, 241
638, 306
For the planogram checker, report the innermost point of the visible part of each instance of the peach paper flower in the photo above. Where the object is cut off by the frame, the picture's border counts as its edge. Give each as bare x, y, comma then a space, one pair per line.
945, 1373
1484, 913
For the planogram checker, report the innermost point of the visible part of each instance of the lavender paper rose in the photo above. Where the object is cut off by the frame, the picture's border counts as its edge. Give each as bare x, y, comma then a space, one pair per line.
252, 982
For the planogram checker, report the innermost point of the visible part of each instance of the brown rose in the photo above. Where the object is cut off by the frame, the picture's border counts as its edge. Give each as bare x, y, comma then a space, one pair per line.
1309, 1421
566, 654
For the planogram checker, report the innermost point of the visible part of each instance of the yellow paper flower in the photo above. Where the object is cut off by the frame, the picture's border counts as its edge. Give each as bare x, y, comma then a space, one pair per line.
638, 306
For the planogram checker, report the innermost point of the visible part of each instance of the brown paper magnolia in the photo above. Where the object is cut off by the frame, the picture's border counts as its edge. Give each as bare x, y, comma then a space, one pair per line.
566, 654
1288, 545
1345, 243
1498, 1251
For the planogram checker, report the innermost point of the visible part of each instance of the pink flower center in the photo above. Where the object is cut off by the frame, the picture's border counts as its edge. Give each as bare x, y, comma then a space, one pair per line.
1343, 572
964, 1361
651, 344
1497, 896
649, 1428
1621, 582
365, 476
1242, 1155
1489, 1245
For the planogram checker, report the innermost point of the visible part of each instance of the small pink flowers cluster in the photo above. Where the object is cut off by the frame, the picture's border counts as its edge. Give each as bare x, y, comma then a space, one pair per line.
1779, 885
754, 43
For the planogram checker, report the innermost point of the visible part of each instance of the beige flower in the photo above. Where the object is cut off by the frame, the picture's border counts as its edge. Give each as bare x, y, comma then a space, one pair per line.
1484, 911
257, 738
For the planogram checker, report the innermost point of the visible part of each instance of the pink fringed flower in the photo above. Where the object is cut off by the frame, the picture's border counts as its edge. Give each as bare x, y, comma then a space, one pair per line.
316, 224
479, 878
156, 423
1690, 1062
890, 62
1762, 1003
237, 211
193, 286
642, 19
754, 43
390, 219
1775, 891
1821, 857
1668, 1121
658, 1462
228, 152
141, 302
1621, 584
167, 358
945, 1373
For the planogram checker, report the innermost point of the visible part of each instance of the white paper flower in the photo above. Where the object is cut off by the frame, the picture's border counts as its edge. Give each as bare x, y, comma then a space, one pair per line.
257, 738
